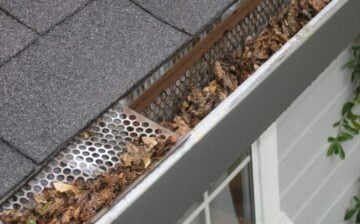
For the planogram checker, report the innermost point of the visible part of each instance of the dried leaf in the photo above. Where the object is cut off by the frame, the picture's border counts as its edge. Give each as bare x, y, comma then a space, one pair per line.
40, 198
181, 126
87, 134
213, 87
171, 140
78, 203
147, 161
230, 83
218, 71
318, 4
150, 142
262, 55
63, 187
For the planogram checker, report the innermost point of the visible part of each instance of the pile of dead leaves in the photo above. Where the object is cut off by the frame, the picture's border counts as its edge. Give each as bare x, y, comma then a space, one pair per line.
79, 202
231, 70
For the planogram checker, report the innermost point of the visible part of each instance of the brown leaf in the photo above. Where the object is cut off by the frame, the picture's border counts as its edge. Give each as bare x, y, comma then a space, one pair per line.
262, 55
63, 187
181, 126
137, 156
218, 71
318, 4
147, 161
87, 134
150, 142
40, 198
213, 87
230, 83
171, 140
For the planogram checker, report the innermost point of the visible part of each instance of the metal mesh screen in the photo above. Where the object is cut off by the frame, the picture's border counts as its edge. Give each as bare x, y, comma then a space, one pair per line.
97, 150
89, 153
167, 103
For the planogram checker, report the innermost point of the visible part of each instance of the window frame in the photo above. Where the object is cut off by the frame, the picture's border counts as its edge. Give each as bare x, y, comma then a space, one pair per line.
208, 198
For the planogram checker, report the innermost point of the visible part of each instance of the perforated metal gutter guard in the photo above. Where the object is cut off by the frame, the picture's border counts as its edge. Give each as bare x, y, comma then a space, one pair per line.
227, 132
174, 184
87, 155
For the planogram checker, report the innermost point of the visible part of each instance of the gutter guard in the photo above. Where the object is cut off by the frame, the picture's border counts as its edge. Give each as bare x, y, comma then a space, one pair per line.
90, 153
222, 137
227, 132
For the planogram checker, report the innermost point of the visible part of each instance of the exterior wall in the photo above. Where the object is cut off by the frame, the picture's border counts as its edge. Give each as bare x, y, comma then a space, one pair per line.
315, 188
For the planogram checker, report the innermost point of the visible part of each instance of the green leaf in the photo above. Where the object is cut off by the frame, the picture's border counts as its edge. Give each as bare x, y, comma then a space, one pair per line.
331, 139
336, 148
351, 116
351, 129
336, 124
350, 213
341, 151
358, 217
344, 137
355, 124
332, 149
357, 200
347, 108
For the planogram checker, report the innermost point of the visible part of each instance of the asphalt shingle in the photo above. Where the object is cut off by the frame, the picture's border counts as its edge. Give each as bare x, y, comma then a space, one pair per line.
13, 168
41, 15
189, 15
13, 37
64, 80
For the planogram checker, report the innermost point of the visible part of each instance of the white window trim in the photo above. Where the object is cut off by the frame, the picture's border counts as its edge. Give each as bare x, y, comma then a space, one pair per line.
264, 158
204, 206
266, 179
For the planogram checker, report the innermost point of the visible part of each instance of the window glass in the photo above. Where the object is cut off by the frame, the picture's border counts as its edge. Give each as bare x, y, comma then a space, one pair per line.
230, 201
233, 205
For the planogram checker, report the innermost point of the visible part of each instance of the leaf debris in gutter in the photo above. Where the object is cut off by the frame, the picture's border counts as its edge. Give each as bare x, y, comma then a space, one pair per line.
232, 70
79, 202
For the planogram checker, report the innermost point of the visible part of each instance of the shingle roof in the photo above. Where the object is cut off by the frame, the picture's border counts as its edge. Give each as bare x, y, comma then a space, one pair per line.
41, 15
14, 167
188, 15
64, 62
13, 37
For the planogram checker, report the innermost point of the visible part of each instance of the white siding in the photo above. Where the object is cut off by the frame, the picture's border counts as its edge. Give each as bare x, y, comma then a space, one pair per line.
315, 188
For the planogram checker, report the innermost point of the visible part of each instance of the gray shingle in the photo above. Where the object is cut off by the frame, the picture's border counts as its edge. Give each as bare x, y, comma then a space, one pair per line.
41, 15
13, 37
77, 70
13, 168
190, 15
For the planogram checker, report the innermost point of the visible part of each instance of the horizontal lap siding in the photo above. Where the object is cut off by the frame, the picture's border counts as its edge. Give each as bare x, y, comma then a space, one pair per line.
310, 182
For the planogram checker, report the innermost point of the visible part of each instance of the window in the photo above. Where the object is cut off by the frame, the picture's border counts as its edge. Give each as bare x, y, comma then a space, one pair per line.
230, 202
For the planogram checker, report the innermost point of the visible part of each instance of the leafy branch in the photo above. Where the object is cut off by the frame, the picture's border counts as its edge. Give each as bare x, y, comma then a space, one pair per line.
352, 211
349, 124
